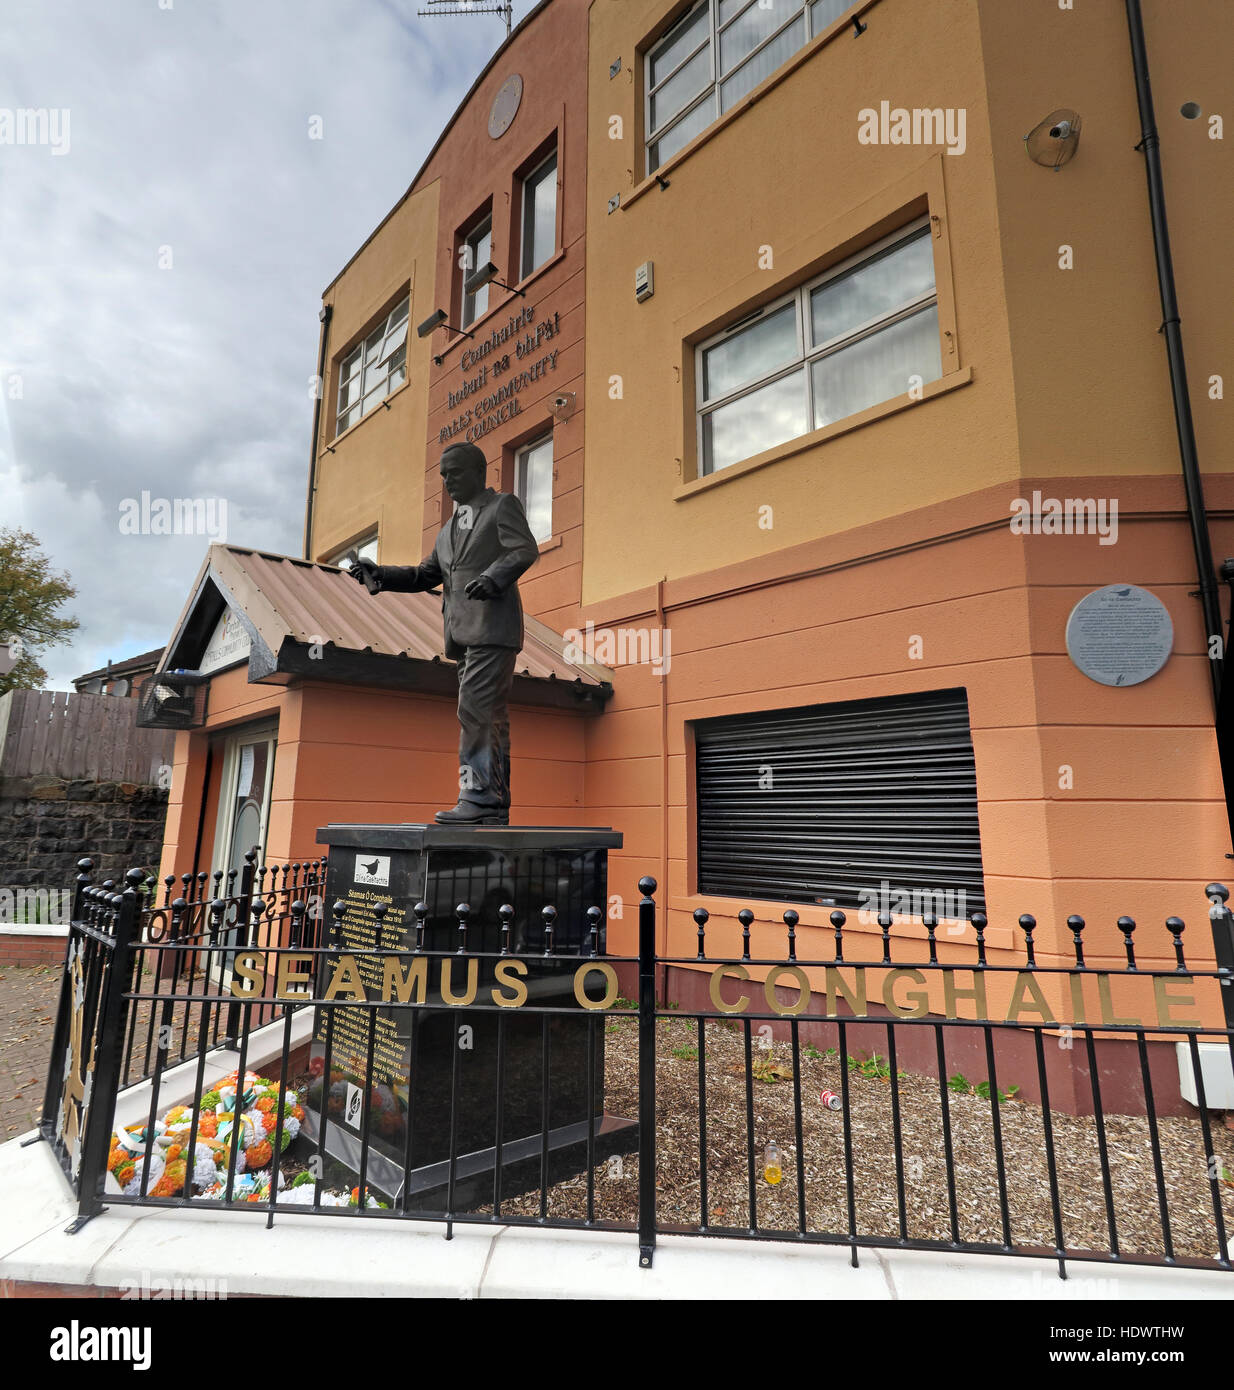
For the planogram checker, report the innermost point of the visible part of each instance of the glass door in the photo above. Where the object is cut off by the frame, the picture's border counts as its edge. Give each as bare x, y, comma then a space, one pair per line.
243, 815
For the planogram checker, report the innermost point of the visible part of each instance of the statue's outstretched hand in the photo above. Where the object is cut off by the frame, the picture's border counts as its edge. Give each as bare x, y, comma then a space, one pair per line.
366, 573
482, 587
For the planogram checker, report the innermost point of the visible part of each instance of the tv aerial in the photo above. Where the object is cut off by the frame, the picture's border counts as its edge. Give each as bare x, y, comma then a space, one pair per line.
441, 9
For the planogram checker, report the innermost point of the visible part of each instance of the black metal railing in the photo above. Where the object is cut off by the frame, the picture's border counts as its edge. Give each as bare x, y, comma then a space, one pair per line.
510, 1083
187, 944
84, 1071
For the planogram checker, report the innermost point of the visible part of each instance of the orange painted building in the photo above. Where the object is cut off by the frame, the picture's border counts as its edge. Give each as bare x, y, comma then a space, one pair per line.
871, 555
792, 351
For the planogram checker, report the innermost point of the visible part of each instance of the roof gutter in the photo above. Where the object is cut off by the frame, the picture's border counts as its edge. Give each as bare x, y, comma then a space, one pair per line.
323, 338
1170, 326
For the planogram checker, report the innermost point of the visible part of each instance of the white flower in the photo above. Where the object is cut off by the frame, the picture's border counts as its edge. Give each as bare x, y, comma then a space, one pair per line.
204, 1174
157, 1164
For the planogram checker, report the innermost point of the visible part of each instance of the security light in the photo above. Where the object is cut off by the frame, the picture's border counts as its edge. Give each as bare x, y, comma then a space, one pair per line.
485, 275
434, 321
1052, 142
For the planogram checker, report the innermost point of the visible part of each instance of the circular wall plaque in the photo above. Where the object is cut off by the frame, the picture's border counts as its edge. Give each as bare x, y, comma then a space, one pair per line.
1119, 635
505, 106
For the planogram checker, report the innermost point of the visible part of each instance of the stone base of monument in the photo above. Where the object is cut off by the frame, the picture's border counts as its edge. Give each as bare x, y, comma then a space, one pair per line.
492, 1073
522, 1166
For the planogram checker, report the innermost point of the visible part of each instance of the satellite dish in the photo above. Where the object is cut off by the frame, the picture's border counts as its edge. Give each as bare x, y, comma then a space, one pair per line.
1052, 142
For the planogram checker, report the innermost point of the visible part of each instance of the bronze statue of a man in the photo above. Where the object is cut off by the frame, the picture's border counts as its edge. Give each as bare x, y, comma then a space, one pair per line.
477, 559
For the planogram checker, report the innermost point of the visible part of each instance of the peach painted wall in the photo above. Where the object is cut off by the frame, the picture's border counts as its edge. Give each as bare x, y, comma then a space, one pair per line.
350, 754
897, 524
383, 447
1141, 828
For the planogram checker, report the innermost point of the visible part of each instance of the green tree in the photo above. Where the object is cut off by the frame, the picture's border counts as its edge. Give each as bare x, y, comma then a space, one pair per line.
31, 594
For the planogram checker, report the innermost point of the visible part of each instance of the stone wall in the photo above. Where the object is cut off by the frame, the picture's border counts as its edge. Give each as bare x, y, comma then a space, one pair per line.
48, 823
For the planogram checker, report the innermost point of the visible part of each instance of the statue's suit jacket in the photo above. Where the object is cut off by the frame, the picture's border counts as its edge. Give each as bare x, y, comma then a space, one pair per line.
498, 543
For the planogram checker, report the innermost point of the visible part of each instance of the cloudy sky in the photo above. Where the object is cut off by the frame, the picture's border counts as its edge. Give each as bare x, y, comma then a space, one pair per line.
162, 258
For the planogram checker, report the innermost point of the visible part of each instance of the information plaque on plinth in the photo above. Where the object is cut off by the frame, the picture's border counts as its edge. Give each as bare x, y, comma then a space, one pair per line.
445, 1063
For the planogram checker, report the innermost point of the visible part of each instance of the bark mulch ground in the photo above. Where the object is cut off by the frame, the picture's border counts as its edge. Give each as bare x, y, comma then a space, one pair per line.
1135, 1199
27, 1006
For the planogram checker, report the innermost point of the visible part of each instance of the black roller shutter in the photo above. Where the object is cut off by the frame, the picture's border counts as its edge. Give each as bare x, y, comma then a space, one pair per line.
852, 795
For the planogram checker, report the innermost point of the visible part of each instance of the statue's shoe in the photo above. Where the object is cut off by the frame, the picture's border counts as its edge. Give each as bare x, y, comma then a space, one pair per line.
467, 814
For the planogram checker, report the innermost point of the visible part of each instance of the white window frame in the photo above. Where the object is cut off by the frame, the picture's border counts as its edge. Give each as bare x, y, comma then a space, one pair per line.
521, 455
468, 310
807, 352
711, 92
391, 337
528, 179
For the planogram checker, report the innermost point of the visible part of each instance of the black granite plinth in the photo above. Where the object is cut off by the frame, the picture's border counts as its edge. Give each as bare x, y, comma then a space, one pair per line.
434, 1062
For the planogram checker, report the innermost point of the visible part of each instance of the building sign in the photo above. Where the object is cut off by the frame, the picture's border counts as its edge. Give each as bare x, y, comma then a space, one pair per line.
902, 991
229, 643
509, 360
1119, 635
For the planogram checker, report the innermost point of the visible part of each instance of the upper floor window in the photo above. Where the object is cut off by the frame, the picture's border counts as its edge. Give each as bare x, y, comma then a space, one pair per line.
539, 239
373, 369
477, 250
714, 55
533, 485
365, 549
857, 336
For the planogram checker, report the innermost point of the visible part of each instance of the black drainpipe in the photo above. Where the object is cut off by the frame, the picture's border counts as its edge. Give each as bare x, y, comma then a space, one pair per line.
1174, 352
322, 339
1196, 514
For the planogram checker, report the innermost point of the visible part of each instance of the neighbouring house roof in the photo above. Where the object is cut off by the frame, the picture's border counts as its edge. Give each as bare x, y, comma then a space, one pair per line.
145, 661
314, 622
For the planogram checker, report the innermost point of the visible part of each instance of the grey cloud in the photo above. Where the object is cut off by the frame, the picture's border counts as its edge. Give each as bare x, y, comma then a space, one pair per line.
190, 130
